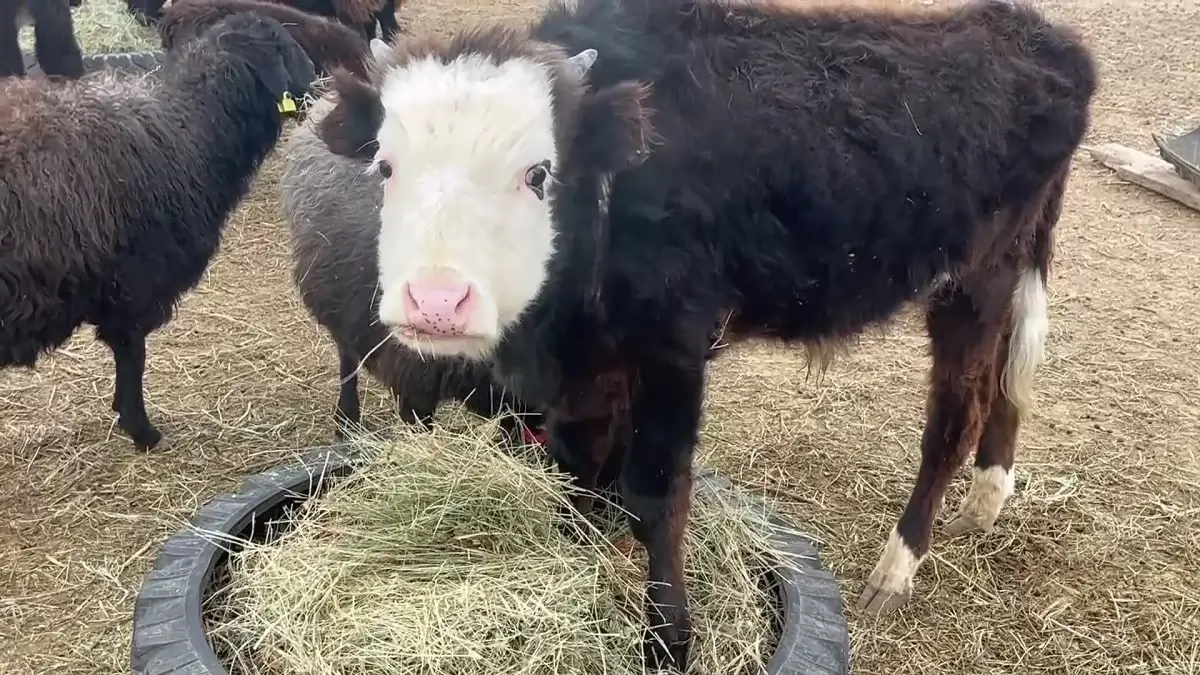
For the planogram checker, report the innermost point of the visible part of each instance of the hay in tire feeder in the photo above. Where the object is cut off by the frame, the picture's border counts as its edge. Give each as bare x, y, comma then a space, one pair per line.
438, 553
110, 37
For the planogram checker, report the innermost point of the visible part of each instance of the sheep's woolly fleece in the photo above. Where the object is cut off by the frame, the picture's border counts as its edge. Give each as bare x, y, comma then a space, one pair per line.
444, 555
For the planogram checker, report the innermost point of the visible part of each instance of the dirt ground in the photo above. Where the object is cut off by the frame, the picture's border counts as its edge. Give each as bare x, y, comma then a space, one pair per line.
1092, 567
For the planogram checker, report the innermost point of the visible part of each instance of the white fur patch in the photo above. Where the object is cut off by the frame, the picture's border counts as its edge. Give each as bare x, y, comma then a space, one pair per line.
990, 489
459, 138
1026, 348
891, 582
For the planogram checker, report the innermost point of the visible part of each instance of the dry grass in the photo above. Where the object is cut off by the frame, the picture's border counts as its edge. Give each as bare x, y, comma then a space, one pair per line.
1092, 567
442, 554
105, 26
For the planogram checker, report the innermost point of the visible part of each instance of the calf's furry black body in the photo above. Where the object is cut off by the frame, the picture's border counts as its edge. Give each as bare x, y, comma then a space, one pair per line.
805, 172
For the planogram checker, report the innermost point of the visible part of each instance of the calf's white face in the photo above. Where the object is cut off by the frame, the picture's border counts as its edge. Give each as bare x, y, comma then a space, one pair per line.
465, 153
466, 146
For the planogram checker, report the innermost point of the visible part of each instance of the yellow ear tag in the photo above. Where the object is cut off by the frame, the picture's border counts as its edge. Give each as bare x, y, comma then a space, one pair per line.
288, 104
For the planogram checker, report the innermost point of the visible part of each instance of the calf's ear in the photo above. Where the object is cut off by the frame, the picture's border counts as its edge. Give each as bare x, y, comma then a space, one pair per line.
350, 128
615, 130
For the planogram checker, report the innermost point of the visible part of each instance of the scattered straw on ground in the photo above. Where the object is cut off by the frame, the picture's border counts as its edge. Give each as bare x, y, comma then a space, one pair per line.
443, 555
104, 26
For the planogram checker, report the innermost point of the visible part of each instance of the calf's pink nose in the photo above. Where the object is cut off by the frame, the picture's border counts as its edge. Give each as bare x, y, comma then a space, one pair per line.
439, 307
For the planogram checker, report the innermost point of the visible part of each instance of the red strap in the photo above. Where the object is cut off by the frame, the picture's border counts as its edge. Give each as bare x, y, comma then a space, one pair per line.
532, 437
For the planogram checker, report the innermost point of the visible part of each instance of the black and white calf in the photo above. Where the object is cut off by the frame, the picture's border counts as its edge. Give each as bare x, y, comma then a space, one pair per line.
582, 200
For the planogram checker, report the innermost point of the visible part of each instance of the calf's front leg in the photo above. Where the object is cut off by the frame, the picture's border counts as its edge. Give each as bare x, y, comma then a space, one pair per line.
656, 487
582, 448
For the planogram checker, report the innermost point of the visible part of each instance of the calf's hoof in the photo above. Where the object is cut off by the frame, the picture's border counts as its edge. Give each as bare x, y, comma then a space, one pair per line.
877, 600
573, 522
145, 436
964, 523
891, 583
667, 648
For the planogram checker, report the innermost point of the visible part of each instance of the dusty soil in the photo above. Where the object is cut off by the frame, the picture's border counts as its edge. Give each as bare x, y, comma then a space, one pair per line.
1092, 567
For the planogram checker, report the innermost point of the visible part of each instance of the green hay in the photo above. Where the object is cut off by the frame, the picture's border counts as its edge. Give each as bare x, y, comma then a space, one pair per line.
104, 26
443, 555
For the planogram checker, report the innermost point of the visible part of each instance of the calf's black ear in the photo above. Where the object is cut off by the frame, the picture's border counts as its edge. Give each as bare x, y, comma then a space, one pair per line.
615, 130
350, 128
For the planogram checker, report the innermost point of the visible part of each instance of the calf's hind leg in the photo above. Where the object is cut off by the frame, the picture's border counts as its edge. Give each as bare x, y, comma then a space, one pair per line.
129, 354
966, 326
1016, 362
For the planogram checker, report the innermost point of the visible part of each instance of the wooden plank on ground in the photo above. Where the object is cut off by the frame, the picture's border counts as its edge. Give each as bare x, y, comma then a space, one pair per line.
1148, 171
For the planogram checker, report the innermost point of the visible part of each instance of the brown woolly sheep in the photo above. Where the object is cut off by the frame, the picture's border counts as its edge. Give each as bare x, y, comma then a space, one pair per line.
332, 205
57, 50
114, 191
327, 43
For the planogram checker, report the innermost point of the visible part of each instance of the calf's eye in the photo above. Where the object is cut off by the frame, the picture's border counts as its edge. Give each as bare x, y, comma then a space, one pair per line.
535, 178
385, 170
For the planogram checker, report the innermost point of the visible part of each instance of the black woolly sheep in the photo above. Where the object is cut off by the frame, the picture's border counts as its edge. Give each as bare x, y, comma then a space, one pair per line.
361, 15
332, 206
358, 14
327, 42
114, 191
57, 50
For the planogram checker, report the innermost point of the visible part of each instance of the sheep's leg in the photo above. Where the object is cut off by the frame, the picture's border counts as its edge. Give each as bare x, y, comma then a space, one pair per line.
388, 25
54, 32
11, 61
129, 354
416, 407
146, 12
348, 412
490, 401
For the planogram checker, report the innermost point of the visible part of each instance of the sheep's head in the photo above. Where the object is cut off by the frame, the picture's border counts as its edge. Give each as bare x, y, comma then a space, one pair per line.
270, 52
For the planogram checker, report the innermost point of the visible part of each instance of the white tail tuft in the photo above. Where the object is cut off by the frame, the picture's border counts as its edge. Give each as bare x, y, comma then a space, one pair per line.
1030, 324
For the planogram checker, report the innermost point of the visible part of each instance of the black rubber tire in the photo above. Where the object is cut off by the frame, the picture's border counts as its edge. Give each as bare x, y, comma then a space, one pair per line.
168, 626
129, 62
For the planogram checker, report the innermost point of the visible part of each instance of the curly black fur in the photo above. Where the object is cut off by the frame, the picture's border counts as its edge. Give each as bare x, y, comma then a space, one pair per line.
805, 172
361, 15
115, 190
327, 43
55, 46
333, 208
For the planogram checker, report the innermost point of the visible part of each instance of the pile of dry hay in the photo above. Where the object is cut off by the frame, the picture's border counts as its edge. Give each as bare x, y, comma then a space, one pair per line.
104, 26
442, 554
